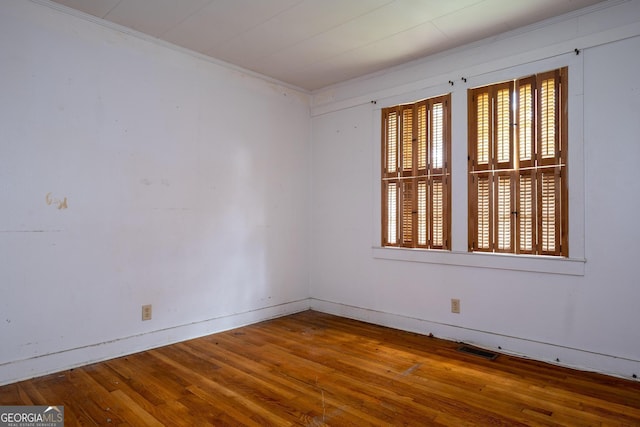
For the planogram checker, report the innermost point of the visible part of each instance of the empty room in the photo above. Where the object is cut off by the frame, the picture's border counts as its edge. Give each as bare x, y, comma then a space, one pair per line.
320, 212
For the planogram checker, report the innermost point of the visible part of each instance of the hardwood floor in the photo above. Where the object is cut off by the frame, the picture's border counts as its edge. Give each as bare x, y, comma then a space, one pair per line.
315, 369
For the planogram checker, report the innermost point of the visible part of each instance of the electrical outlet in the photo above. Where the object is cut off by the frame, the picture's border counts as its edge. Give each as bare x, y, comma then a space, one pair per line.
455, 305
146, 312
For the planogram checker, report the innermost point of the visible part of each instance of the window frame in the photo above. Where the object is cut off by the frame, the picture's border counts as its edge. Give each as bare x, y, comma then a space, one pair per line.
484, 74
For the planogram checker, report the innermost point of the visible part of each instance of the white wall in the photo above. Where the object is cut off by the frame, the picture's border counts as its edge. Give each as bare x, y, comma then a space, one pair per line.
186, 187
582, 311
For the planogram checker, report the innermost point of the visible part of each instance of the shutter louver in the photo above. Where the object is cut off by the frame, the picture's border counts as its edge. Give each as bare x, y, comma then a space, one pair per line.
525, 214
503, 228
482, 119
392, 142
548, 119
437, 213
422, 137
503, 126
484, 217
548, 218
422, 213
407, 140
407, 213
437, 136
525, 125
392, 213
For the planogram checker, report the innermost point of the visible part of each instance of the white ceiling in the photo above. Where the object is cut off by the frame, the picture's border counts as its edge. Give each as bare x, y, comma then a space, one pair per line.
315, 43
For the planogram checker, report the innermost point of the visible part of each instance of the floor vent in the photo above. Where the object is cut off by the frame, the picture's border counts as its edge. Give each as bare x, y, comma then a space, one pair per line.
489, 355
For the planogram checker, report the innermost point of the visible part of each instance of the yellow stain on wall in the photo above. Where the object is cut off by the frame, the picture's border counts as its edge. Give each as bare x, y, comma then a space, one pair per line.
60, 204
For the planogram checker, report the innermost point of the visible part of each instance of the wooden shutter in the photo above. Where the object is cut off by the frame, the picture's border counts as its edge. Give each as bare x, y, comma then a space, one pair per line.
551, 163
525, 129
422, 217
437, 154
518, 193
409, 211
563, 147
422, 129
480, 126
481, 181
483, 209
503, 200
549, 212
406, 147
548, 144
390, 193
392, 231
390, 152
415, 177
438, 205
526, 224
502, 119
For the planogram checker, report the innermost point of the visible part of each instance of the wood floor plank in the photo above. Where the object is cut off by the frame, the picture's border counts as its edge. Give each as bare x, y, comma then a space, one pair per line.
230, 390
24, 397
315, 369
271, 369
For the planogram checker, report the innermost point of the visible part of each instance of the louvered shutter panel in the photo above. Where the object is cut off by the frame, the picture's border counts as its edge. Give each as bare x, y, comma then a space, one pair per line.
549, 212
390, 193
408, 212
526, 219
551, 164
408, 194
562, 146
407, 141
421, 141
422, 214
437, 138
525, 194
438, 237
503, 214
484, 228
480, 162
392, 213
548, 149
482, 130
502, 160
525, 129
502, 116
422, 137
438, 166
391, 142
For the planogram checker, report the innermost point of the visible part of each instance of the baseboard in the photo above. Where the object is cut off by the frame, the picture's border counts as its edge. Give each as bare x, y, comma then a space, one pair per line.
545, 352
14, 371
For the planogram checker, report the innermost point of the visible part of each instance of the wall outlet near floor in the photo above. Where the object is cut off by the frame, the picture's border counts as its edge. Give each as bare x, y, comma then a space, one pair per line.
455, 305
146, 312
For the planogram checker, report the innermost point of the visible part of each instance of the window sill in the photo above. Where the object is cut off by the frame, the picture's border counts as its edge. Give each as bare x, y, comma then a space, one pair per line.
530, 263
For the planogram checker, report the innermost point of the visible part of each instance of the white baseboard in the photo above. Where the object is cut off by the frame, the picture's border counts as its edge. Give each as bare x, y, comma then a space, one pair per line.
19, 370
545, 352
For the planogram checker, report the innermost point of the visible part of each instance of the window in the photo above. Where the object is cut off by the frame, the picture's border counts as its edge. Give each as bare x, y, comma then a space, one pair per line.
518, 195
416, 194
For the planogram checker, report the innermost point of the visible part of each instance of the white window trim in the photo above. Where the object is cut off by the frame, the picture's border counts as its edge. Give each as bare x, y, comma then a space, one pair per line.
459, 256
